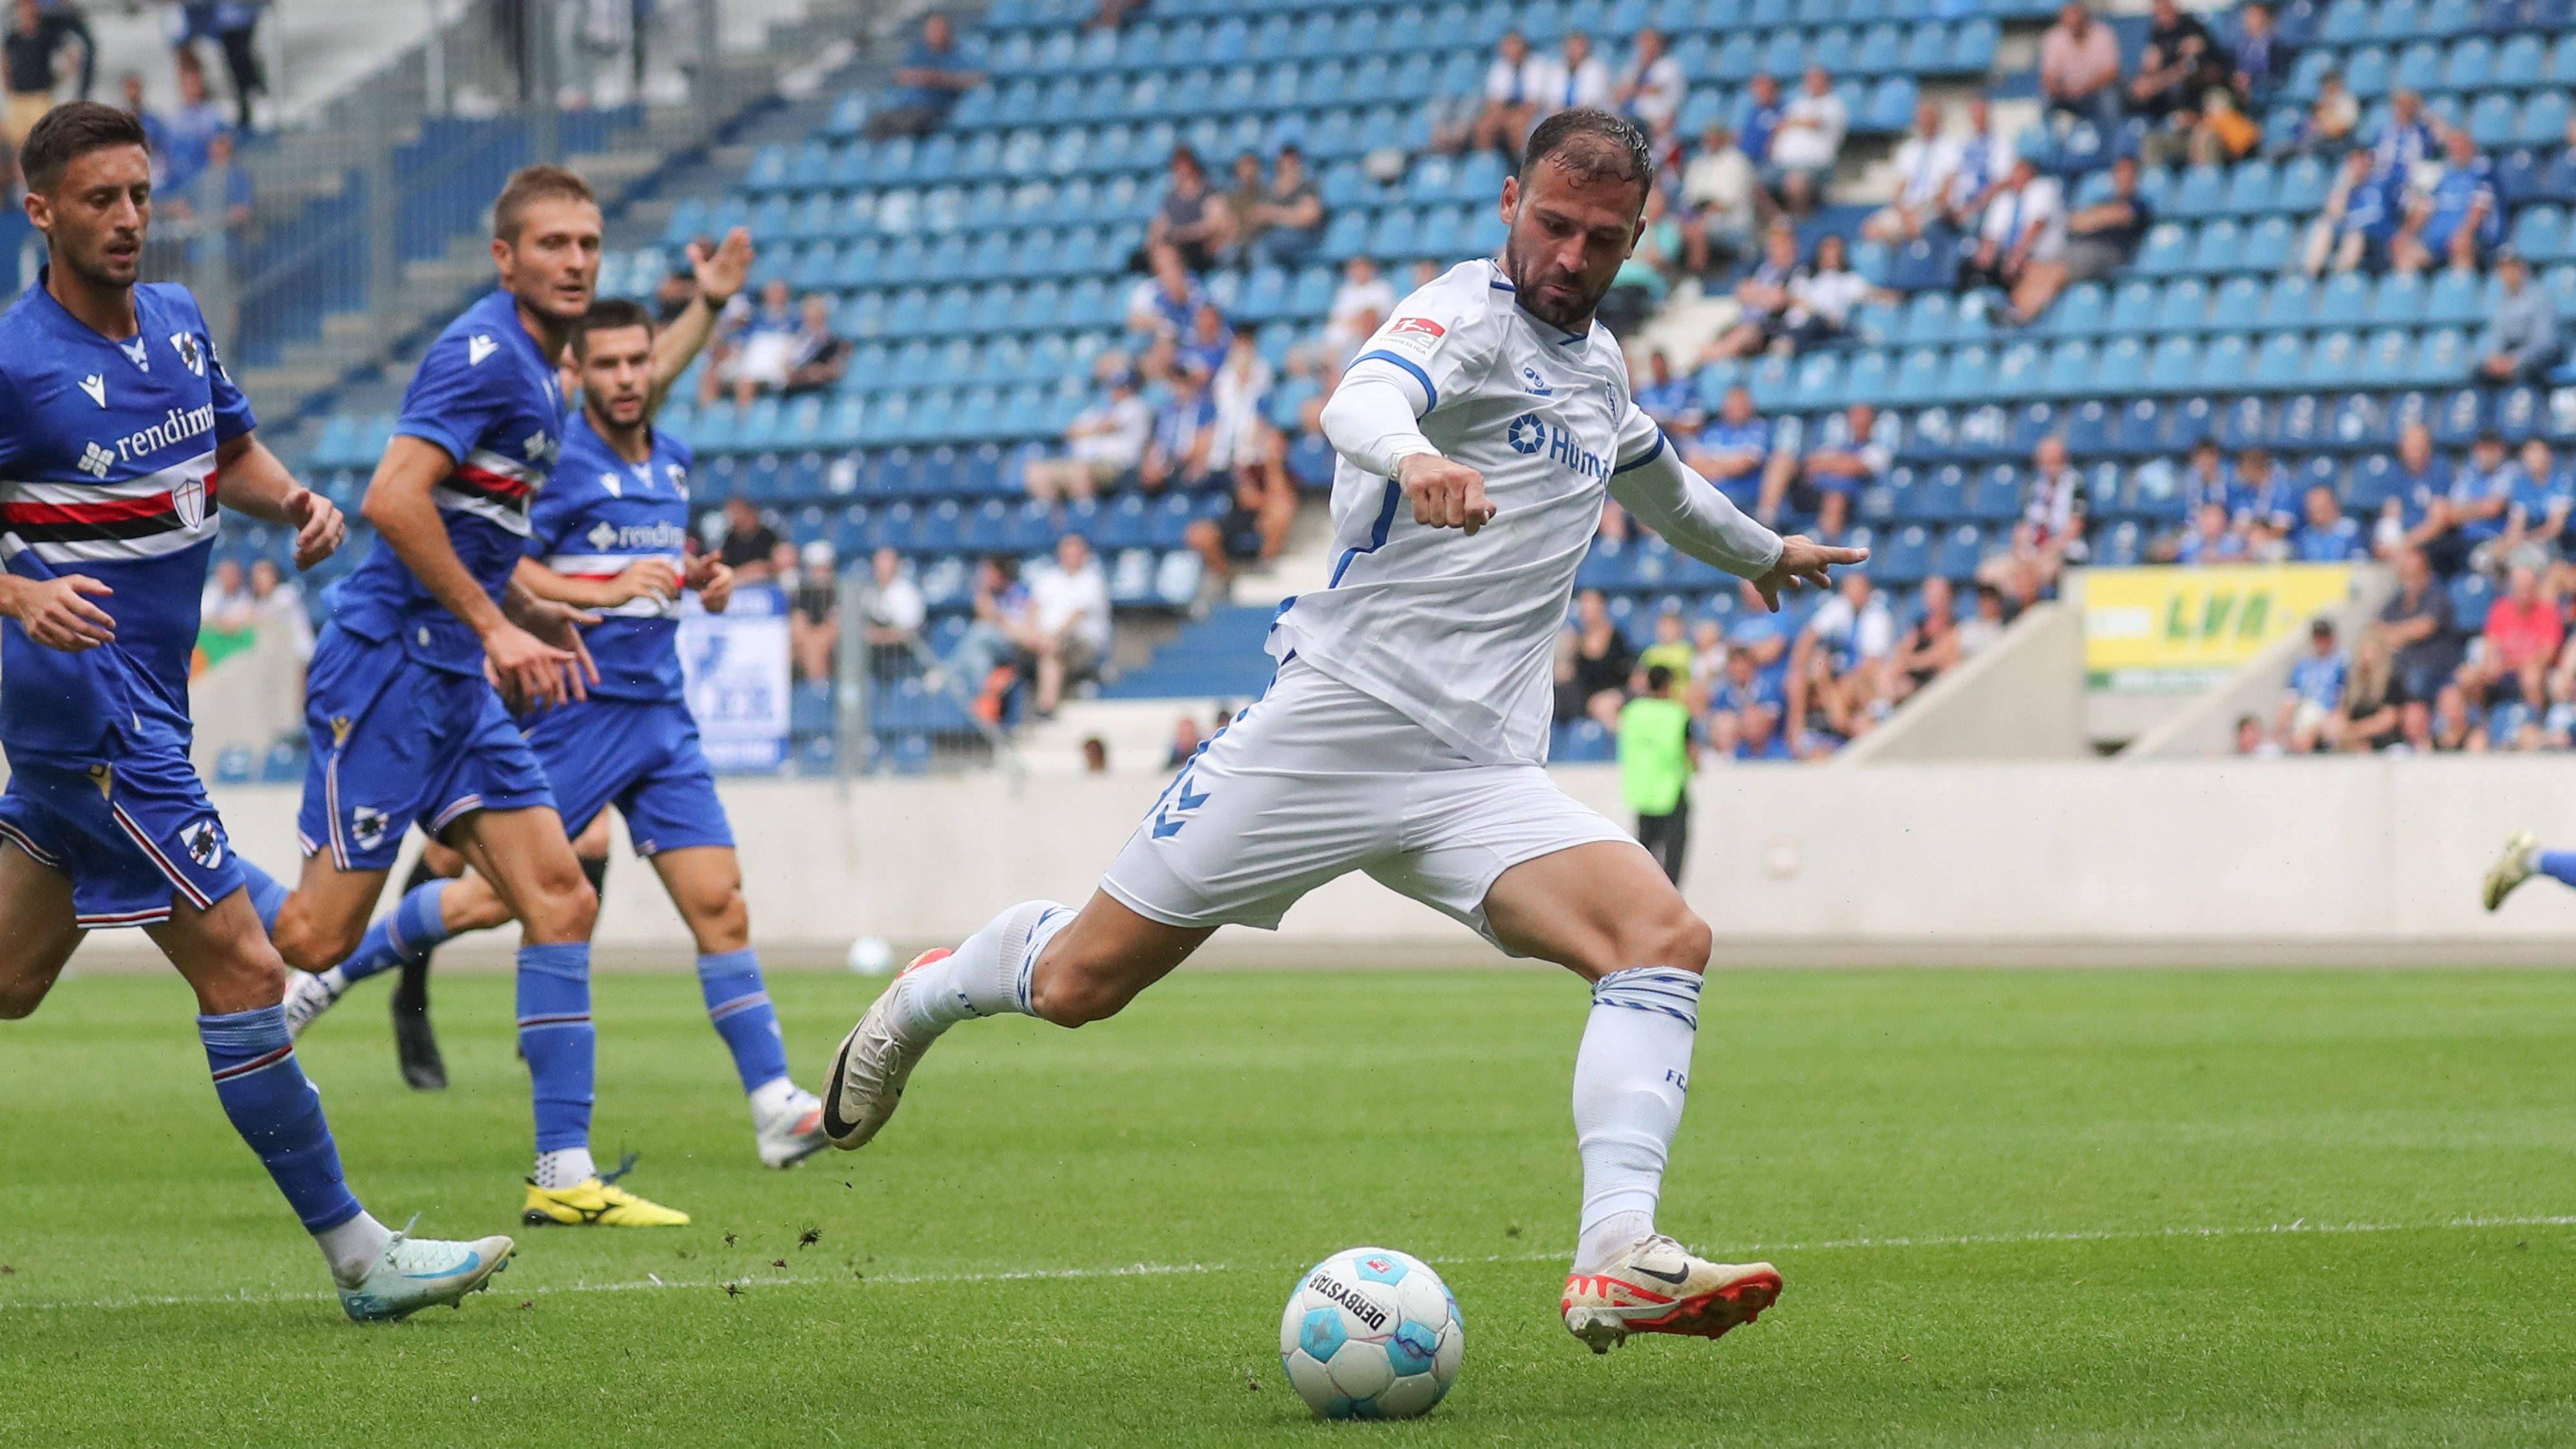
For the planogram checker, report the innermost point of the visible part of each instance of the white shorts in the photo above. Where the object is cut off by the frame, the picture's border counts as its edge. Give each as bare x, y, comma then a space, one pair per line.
1318, 780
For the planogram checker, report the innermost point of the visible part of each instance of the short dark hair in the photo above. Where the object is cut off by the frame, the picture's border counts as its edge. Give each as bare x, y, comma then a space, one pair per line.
609, 314
1591, 144
1659, 677
69, 132
529, 185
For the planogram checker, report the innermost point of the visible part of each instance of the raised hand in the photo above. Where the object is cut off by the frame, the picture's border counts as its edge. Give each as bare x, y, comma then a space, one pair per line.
1444, 494
1804, 561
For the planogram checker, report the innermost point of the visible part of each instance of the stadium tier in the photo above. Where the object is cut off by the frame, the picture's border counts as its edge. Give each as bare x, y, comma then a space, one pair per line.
981, 271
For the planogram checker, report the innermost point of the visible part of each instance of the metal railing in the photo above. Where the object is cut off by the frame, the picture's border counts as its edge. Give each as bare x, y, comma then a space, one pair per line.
899, 706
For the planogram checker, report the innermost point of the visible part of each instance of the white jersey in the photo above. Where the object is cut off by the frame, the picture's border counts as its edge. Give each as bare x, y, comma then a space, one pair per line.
1457, 632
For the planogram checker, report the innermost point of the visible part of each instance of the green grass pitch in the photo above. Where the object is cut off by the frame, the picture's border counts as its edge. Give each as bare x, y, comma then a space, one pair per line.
2011, 1207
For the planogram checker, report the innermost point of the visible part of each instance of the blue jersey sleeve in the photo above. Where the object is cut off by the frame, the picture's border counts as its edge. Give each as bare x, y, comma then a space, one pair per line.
455, 398
554, 510
232, 410
13, 429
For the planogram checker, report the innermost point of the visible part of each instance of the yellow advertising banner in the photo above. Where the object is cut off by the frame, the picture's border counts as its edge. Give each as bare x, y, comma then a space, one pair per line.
2179, 628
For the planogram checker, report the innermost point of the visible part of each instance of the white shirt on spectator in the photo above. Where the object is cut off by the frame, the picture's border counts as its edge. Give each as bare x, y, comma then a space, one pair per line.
1120, 444
897, 605
1079, 599
1587, 84
1924, 170
1722, 184
1523, 84
1868, 632
1352, 303
1238, 394
1814, 145
1830, 295
2012, 212
1659, 90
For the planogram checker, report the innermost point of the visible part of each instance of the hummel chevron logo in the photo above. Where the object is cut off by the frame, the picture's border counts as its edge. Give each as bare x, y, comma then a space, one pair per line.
477, 348
96, 386
1183, 802
96, 461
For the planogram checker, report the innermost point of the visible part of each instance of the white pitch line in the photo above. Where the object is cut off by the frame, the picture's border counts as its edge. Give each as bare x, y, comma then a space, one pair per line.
651, 1282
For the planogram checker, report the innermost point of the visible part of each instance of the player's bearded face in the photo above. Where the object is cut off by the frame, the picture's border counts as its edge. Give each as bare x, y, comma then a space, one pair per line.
1566, 240
96, 216
554, 264
617, 372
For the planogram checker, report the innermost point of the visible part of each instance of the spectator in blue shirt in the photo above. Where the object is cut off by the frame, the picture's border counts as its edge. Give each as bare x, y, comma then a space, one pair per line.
1758, 118
2212, 539
2536, 518
933, 74
2409, 518
2405, 142
2328, 535
189, 130
2205, 480
2521, 341
2261, 501
2258, 59
1177, 456
1733, 449
1759, 737
2481, 491
1671, 401
2315, 696
1847, 457
2459, 219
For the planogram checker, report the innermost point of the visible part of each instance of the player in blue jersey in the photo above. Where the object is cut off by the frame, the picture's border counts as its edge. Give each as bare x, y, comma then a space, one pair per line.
609, 533
405, 727
119, 434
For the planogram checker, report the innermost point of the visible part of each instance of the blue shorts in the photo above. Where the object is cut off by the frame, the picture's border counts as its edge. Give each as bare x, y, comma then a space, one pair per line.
129, 832
396, 743
641, 756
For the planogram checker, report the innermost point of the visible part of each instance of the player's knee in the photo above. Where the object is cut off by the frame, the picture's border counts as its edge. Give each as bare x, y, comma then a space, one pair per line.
565, 907
21, 995
1687, 942
720, 918
310, 945
1064, 993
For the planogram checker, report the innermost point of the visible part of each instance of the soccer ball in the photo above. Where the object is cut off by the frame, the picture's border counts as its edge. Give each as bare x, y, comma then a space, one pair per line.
1371, 1333
871, 956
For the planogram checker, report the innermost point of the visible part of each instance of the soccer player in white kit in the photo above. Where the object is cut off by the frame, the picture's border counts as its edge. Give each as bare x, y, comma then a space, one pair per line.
1406, 731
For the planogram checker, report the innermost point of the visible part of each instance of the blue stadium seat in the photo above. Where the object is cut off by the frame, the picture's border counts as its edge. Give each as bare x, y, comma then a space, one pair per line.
2133, 307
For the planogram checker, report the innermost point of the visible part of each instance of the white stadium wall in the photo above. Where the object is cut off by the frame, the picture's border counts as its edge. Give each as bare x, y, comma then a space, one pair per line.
2333, 861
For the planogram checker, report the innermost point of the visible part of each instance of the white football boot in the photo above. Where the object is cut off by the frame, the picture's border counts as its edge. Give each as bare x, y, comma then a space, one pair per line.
1658, 1287
2511, 868
416, 1273
874, 1062
791, 1134
307, 997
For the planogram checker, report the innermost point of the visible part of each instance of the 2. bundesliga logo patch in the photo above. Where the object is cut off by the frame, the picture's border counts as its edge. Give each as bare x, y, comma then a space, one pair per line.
1418, 335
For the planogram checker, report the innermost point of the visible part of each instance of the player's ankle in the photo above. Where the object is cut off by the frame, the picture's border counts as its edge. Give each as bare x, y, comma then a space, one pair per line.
1601, 1243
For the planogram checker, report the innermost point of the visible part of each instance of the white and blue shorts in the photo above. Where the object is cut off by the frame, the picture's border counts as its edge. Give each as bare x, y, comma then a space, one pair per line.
1318, 780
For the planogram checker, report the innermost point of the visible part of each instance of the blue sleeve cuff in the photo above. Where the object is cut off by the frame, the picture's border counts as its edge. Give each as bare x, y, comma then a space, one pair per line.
1646, 457
433, 434
1431, 395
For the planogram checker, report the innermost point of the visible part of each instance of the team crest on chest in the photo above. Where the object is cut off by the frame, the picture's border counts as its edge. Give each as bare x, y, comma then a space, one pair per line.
188, 500
191, 356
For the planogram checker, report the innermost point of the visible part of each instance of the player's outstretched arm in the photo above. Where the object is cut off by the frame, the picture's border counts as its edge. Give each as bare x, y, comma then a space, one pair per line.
720, 273
1670, 497
1370, 421
398, 504
558, 624
254, 482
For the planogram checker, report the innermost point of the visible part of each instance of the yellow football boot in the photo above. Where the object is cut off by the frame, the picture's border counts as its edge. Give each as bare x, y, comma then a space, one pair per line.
591, 1203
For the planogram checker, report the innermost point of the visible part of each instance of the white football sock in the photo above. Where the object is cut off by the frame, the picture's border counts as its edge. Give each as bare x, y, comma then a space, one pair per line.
987, 976
1630, 1079
352, 1248
565, 1167
334, 982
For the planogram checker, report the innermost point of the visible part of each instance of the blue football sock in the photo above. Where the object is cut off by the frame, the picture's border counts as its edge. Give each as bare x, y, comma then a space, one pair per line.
556, 1036
738, 1005
2558, 865
277, 1112
267, 896
412, 931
